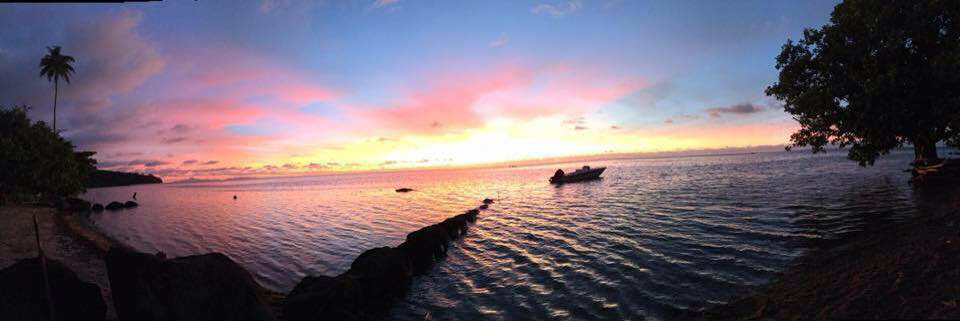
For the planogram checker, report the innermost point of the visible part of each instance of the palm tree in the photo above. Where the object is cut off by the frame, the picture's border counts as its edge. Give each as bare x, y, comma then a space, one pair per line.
55, 66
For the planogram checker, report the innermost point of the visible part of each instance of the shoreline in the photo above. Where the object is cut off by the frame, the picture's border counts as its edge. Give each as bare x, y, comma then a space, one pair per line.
908, 270
149, 285
63, 239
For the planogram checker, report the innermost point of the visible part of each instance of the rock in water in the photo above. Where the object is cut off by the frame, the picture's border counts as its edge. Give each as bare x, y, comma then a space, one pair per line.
130, 204
200, 287
97, 207
487, 201
364, 292
404, 190
23, 297
113, 206
385, 267
376, 278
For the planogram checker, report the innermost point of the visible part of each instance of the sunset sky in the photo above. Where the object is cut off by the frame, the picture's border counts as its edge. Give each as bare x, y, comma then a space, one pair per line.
230, 88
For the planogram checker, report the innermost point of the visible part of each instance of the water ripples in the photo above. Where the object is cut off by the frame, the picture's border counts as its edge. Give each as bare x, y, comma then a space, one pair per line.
653, 239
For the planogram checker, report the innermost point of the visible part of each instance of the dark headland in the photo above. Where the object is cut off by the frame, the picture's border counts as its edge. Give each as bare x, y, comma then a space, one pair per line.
104, 178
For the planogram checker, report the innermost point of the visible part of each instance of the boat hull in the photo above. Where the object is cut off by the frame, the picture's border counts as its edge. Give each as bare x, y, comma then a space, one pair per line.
578, 176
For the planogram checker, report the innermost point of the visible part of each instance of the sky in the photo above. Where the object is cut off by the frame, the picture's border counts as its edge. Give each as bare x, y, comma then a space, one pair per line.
214, 89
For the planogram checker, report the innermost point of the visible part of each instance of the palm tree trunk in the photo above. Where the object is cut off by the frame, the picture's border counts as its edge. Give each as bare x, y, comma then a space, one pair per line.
56, 89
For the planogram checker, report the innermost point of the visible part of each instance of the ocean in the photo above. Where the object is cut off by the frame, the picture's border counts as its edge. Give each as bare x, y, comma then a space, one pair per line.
653, 238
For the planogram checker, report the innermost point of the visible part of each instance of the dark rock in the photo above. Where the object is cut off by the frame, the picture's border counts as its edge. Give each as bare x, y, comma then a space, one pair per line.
23, 295
200, 287
113, 206
484, 206
487, 201
335, 298
404, 190
130, 204
425, 245
455, 226
387, 268
76, 205
365, 292
376, 278
472, 215
97, 207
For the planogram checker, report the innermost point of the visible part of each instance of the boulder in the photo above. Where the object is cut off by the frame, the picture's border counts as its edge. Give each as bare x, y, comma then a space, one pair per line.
384, 268
487, 201
404, 190
365, 292
130, 204
23, 295
200, 287
483, 206
113, 206
472, 215
97, 207
425, 245
455, 226
324, 298
76, 205
376, 277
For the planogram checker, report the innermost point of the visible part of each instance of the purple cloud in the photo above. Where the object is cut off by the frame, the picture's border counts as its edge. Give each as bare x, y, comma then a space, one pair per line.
738, 109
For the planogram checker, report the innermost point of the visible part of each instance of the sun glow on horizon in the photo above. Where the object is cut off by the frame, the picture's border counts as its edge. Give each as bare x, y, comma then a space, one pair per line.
318, 88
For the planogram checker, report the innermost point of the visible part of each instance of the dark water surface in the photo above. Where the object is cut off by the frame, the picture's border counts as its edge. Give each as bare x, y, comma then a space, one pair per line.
655, 236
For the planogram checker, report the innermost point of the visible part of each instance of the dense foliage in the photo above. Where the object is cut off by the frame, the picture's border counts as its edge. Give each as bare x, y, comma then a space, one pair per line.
880, 75
102, 178
36, 160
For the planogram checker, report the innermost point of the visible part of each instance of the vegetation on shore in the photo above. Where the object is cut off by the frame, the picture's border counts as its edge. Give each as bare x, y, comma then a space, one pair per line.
878, 76
36, 160
104, 178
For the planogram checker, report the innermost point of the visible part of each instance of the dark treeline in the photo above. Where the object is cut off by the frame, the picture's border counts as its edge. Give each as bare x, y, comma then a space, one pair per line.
103, 178
36, 160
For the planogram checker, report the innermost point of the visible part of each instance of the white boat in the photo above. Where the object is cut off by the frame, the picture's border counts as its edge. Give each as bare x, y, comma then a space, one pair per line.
582, 174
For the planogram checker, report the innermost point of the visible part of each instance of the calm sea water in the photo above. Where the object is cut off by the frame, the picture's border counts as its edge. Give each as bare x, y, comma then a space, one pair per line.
654, 237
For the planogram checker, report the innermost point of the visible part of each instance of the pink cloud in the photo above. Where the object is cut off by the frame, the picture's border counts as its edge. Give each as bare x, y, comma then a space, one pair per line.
446, 101
450, 101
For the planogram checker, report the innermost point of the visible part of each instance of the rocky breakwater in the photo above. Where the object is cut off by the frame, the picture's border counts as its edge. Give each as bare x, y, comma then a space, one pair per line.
377, 277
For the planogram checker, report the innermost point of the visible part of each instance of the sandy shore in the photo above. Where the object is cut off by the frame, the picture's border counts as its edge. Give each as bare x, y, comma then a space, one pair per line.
907, 271
59, 243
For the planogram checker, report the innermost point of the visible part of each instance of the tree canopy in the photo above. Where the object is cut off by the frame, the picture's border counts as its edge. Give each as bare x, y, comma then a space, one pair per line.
35, 159
879, 75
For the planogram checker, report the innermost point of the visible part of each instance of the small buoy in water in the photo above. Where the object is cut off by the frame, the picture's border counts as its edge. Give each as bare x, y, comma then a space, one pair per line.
234, 197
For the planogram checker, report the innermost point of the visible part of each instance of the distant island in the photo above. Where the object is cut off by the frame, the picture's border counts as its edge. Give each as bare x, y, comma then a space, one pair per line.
104, 178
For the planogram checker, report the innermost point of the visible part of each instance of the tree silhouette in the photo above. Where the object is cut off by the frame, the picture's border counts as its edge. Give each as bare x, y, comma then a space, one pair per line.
880, 75
55, 66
